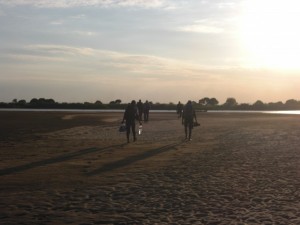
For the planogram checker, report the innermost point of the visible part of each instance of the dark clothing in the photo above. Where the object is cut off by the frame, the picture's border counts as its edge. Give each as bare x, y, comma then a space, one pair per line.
188, 119
179, 109
188, 113
132, 127
140, 107
130, 115
146, 111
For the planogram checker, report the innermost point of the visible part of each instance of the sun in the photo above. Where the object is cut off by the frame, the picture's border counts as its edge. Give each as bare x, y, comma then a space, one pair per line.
270, 33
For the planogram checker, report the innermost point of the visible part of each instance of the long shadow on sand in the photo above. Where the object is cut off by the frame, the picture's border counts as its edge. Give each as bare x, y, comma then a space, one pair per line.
132, 159
57, 159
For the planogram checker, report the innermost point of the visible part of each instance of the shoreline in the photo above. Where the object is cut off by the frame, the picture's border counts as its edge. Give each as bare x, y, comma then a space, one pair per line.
291, 112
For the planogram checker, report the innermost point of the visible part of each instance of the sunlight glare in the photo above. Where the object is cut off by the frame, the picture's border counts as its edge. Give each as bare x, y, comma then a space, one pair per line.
270, 33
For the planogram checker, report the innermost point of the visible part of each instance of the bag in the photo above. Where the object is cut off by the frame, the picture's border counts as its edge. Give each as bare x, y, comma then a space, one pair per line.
122, 128
196, 124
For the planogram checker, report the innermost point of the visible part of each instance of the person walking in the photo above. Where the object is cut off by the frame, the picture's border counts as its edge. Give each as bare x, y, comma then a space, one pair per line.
188, 116
179, 108
146, 110
130, 115
140, 107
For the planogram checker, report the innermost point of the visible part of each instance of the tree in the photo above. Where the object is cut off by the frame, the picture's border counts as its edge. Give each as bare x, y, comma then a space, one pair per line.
258, 104
204, 101
33, 101
49, 101
42, 100
230, 102
22, 102
244, 106
208, 101
276, 105
213, 102
291, 103
118, 101
98, 102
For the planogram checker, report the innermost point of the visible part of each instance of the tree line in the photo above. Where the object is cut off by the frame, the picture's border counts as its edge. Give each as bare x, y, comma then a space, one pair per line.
232, 104
202, 104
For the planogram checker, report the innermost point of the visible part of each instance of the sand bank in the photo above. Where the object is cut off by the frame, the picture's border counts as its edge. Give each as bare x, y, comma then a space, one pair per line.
74, 168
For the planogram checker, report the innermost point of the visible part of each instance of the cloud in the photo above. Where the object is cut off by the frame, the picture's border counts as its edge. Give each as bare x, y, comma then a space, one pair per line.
230, 4
79, 16
45, 54
85, 71
204, 26
57, 22
95, 61
82, 3
201, 28
84, 33
60, 49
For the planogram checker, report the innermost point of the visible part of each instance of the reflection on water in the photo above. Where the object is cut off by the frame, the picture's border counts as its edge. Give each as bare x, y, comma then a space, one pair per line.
290, 112
61, 110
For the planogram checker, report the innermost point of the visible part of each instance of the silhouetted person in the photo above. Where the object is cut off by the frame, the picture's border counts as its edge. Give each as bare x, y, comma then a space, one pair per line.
130, 115
146, 110
140, 107
179, 109
188, 116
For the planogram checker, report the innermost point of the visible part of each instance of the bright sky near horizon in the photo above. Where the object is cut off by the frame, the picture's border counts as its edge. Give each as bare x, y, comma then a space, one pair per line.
157, 50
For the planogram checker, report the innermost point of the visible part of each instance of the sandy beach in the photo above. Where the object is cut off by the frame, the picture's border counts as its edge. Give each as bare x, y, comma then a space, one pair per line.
76, 168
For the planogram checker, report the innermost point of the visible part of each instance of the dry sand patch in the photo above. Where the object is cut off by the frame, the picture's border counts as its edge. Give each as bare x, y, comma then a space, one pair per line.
239, 169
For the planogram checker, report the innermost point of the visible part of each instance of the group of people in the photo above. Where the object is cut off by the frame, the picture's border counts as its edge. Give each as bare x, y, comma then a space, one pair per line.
143, 108
135, 111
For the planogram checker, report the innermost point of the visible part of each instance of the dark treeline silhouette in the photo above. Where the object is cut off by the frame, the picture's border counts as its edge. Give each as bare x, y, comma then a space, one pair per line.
202, 104
232, 104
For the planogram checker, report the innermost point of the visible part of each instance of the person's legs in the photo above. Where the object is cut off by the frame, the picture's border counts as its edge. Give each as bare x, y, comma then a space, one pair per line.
190, 130
128, 131
185, 129
133, 131
188, 124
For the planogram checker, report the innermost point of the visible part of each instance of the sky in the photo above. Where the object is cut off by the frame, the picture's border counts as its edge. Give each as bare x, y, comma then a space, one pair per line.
157, 50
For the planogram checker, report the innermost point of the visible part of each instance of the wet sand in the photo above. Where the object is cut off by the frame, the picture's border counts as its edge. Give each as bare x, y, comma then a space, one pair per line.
76, 168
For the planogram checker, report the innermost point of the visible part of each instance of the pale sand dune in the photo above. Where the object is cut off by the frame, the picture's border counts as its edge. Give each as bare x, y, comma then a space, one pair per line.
238, 169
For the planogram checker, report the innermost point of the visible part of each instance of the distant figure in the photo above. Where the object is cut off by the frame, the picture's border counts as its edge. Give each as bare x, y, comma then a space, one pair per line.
140, 107
146, 111
130, 115
188, 119
179, 109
